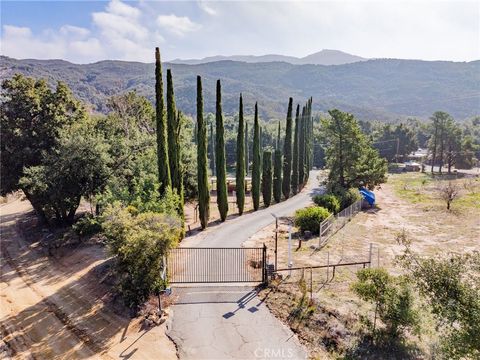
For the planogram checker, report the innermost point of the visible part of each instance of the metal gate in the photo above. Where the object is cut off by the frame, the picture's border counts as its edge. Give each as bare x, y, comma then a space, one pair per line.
217, 265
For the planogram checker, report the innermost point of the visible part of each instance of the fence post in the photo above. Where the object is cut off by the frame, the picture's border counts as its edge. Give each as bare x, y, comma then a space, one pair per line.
290, 249
328, 266
264, 262
378, 256
276, 241
320, 234
370, 256
311, 284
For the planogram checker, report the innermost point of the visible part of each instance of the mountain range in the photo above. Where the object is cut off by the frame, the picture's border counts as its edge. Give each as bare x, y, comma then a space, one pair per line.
323, 57
380, 89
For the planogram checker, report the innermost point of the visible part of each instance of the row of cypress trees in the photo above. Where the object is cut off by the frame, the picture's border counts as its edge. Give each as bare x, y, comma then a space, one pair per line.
168, 147
294, 163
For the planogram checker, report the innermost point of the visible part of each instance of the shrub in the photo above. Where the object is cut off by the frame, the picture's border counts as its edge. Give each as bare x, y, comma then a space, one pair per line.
346, 197
87, 226
392, 298
139, 244
309, 218
328, 201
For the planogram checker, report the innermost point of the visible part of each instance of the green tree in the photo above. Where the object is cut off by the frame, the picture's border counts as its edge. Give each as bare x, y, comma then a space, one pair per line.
451, 286
222, 194
309, 218
162, 145
395, 142
32, 119
310, 136
78, 166
301, 150
202, 166
256, 165
350, 158
174, 133
212, 149
240, 168
453, 144
139, 243
392, 298
295, 153
247, 164
307, 142
267, 178
130, 133
438, 127
277, 170
287, 152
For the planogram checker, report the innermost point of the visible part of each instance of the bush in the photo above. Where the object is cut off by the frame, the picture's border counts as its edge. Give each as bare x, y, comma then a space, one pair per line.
392, 298
87, 226
139, 244
328, 201
309, 219
346, 197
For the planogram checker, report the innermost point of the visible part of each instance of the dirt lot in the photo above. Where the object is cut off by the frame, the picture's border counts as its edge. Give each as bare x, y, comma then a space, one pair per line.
55, 307
407, 201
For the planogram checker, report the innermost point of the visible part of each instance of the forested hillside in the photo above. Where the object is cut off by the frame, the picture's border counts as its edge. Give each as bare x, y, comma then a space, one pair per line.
375, 89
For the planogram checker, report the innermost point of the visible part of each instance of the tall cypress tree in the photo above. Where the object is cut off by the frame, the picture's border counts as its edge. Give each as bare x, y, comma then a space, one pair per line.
287, 152
307, 144
267, 178
179, 179
301, 149
311, 135
295, 153
246, 149
256, 162
173, 130
202, 160
162, 146
277, 170
277, 143
240, 169
222, 195
212, 150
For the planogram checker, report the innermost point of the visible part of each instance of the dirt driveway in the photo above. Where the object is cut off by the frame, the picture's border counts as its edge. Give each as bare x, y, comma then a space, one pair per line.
53, 308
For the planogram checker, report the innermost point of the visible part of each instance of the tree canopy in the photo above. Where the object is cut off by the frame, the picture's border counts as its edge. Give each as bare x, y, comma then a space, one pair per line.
350, 158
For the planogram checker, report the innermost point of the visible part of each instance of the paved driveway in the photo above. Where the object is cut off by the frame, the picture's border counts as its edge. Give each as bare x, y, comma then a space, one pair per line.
231, 322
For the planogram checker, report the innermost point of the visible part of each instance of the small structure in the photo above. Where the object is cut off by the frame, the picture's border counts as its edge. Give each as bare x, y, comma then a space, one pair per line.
412, 166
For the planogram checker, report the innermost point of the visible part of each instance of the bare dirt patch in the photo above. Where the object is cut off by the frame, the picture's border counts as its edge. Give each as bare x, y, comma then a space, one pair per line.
58, 307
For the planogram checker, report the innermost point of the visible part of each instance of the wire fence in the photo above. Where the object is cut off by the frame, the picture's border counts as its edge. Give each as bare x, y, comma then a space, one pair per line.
335, 269
334, 223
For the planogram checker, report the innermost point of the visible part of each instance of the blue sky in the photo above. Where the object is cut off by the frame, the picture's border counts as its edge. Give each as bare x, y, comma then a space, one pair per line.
88, 31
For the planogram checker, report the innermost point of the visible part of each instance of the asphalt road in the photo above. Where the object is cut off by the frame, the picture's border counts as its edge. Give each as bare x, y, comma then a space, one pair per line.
231, 322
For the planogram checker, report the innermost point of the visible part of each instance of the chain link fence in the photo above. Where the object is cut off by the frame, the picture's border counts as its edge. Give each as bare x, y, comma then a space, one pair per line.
334, 223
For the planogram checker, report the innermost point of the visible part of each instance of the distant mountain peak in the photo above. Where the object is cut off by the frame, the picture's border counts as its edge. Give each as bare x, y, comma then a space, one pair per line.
322, 57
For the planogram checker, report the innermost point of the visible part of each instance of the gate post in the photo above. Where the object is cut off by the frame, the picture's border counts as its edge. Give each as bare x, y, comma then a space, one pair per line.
264, 265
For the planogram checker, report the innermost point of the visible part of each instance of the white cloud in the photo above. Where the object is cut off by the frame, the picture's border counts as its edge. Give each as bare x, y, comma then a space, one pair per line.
68, 43
206, 6
120, 8
178, 25
121, 31
16, 31
74, 30
447, 30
